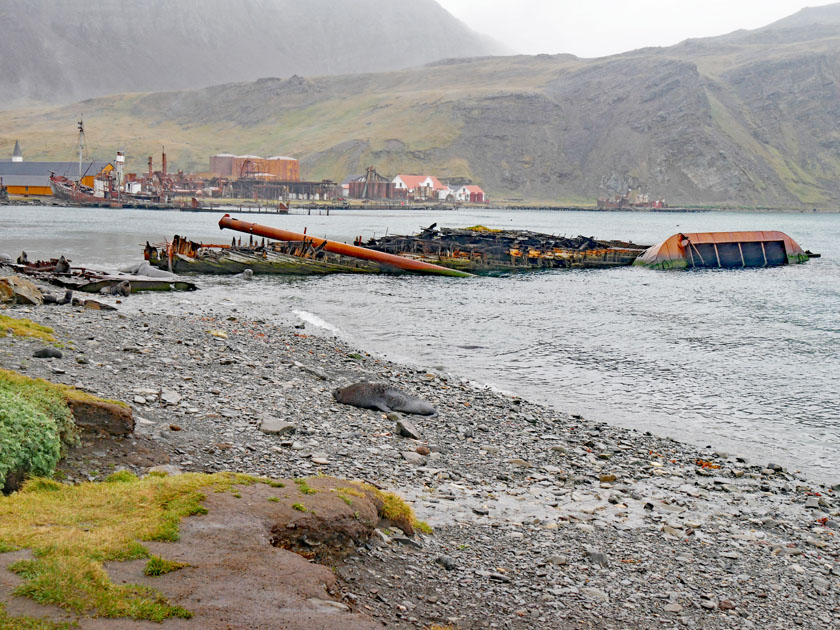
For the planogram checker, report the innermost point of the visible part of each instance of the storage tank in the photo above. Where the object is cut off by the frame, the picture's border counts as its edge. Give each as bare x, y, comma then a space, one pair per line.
222, 164
284, 168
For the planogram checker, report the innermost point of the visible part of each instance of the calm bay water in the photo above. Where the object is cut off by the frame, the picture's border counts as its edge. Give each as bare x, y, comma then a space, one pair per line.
745, 361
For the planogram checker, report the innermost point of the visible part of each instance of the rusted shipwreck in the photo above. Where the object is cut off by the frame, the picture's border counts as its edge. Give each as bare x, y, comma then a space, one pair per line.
449, 252
482, 250
724, 250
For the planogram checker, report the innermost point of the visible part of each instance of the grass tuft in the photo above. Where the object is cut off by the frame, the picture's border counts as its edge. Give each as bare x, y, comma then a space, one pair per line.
304, 487
160, 566
299, 507
121, 476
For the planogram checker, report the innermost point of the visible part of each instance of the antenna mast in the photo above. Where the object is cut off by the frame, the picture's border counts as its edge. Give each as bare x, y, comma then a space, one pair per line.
81, 145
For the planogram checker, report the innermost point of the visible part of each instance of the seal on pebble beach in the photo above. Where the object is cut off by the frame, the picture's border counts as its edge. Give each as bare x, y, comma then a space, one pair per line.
382, 397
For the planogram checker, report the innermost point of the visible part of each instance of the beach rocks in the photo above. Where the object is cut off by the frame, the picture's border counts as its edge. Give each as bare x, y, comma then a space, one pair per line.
16, 290
407, 429
276, 426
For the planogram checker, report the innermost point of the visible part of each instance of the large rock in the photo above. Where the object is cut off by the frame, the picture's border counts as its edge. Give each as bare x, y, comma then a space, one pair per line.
101, 416
14, 289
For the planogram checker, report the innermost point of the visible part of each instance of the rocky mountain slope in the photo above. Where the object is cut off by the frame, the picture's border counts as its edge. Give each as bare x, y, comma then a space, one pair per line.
61, 51
748, 119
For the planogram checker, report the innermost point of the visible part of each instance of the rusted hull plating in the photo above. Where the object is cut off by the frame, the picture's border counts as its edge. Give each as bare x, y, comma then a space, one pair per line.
724, 250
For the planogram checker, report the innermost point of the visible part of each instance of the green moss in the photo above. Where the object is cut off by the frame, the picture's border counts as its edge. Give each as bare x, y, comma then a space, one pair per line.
274, 499
25, 328
304, 487
424, 527
29, 439
160, 566
299, 507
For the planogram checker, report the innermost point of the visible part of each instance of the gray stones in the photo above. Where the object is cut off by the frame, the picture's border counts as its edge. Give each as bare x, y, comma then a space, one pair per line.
559, 561
597, 557
165, 469
673, 607
820, 585
447, 562
413, 458
275, 426
595, 594
812, 503
407, 429
170, 397
708, 602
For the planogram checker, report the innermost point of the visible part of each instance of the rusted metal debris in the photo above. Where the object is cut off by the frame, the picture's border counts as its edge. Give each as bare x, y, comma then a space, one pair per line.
482, 250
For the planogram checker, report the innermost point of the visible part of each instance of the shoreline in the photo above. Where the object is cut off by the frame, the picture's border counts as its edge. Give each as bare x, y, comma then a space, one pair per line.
542, 519
306, 207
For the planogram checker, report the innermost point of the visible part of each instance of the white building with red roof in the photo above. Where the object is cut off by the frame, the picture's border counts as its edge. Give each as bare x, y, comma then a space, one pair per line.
422, 186
472, 194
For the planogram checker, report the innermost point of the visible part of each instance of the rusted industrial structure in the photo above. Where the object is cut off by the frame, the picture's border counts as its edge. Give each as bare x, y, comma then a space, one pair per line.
277, 168
372, 185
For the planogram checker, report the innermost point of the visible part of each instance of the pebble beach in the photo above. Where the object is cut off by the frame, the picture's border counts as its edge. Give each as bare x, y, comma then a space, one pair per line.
541, 519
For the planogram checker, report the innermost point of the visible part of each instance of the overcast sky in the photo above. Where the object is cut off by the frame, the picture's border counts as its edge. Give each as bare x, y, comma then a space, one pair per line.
593, 28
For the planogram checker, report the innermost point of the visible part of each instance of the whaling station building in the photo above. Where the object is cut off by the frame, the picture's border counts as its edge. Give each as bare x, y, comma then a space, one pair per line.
33, 178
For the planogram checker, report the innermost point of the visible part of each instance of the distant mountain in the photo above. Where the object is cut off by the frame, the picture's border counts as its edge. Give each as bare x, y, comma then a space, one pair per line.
65, 50
747, 119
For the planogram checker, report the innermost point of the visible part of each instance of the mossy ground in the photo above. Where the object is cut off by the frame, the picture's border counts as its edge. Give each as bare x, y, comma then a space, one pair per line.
25, 328
73, 530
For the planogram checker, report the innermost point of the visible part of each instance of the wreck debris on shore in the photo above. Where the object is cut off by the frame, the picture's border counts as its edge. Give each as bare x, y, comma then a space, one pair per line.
140, 277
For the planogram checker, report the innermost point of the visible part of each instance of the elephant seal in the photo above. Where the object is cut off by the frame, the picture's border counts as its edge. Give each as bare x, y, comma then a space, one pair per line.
382, 397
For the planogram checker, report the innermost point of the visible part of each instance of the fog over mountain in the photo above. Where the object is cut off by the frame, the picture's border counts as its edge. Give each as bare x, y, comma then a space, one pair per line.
64, 50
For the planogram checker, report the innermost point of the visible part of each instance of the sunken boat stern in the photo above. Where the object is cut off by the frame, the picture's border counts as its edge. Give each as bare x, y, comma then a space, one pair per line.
723, 250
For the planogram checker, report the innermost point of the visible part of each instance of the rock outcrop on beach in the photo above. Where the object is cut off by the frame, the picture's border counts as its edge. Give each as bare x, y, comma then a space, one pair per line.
58, 51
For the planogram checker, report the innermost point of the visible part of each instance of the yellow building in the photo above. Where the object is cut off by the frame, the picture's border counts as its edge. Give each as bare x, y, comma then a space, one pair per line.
33, 178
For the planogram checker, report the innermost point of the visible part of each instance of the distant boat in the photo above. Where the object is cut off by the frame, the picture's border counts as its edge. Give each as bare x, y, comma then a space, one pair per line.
724, 250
